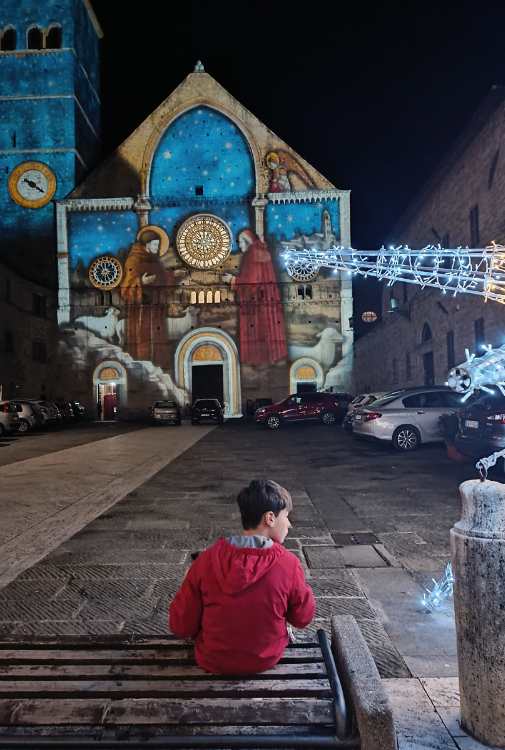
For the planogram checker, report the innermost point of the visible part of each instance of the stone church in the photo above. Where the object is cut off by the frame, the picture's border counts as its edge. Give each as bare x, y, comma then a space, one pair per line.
169, 254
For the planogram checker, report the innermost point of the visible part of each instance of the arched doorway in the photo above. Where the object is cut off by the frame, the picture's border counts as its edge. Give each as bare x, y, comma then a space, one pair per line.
109, 389
214, 350
305, 375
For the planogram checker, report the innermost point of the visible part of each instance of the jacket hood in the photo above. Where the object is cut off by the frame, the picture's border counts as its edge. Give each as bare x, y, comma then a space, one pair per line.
238, 568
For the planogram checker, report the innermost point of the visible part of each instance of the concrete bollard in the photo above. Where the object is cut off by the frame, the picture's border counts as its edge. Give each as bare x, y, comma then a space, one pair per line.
478, 559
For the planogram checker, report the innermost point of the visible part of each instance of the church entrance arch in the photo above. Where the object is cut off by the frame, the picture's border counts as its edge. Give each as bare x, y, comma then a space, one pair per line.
207, 365
109, 389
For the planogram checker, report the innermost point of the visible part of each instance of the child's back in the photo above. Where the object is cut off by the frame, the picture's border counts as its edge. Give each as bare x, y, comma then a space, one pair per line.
239, 593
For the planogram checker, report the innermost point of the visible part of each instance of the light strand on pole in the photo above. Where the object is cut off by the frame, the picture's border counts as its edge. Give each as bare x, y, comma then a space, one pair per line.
479, 271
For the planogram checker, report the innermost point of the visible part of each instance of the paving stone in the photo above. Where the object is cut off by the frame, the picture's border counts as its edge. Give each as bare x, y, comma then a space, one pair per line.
387, 658
323, 557
335, 586
362, 556
69, 627
358, 607
39, 608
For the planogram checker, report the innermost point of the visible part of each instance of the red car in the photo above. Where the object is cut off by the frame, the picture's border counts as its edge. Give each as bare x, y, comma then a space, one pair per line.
323, 407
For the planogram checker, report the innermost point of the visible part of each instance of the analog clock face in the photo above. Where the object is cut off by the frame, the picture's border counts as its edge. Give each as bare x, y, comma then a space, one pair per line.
203, 241
32, 184
105, 272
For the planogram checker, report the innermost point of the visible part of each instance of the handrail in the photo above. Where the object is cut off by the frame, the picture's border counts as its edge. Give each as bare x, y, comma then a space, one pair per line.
343, 717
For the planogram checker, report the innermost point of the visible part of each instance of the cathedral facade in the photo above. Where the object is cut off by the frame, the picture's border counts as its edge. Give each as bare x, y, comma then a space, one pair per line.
171, 280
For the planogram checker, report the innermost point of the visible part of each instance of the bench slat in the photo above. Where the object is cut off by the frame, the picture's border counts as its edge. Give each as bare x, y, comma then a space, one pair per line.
138, 671
155, 656
76, 730
162, 688
164, 711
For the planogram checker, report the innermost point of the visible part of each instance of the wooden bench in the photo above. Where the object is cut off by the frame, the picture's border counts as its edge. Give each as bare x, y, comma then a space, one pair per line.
147, 692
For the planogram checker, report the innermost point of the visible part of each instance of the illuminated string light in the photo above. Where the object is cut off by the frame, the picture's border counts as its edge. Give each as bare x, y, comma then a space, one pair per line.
478, 373
442, 590
477, 271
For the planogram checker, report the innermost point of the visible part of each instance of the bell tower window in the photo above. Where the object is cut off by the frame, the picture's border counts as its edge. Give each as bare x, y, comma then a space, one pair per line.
53, 37
35, 38
8, 40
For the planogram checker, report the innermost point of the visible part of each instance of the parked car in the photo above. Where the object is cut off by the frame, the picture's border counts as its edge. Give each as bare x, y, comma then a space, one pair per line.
407, 417
78, 409
9, 420
481, 426
359, 402
29, 418
166, 412
302, 407
48, 410
66, 410
207, 409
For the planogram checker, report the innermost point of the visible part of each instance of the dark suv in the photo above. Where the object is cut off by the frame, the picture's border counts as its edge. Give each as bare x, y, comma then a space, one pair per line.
207, 408
301, 407
481, 428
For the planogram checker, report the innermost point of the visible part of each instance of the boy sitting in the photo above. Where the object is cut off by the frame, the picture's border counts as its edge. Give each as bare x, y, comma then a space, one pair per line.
239, 594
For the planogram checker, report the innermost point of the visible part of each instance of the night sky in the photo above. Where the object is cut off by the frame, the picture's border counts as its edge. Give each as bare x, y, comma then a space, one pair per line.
371, 94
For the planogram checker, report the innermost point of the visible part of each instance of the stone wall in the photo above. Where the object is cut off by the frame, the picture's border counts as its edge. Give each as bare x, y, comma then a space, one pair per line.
473, 174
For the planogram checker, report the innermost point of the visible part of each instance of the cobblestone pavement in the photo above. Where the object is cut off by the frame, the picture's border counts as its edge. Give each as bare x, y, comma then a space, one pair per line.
370, 527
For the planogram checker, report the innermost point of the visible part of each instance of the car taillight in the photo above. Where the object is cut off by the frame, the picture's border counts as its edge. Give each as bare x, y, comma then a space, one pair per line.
372, 415
496, 418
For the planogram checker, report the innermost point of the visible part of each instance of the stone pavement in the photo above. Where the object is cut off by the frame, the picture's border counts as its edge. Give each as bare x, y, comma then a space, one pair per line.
370, 527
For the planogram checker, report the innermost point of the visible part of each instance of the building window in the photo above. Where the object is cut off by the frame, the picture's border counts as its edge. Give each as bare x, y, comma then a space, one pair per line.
408, 367
474, 226
201, 298
451, 360
305, 291
39, 352
478, 326
8, 40
53, 37
199, 190
192, 298
35, 38
217, 296
8, 342
395, 370
426, 333
39, 306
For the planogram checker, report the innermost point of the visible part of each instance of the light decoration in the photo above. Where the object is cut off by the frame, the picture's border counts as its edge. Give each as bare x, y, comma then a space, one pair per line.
479, 271
442, 590
478, 373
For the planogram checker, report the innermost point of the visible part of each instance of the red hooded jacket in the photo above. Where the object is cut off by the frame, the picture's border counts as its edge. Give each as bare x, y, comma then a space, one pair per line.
235, 602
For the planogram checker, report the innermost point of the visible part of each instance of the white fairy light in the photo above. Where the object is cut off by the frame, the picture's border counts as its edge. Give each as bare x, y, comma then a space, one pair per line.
470, 270
478, 373
442, 590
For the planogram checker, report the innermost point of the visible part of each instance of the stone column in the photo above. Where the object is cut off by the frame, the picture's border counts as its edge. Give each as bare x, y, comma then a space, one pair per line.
142, 207
478, 555
259, 203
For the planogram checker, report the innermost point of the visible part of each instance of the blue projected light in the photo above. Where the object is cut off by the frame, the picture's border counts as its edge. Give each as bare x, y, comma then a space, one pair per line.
94, 234
202, 153
287, 221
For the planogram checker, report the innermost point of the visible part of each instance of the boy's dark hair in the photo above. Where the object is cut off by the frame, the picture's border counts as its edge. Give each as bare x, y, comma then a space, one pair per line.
258, 498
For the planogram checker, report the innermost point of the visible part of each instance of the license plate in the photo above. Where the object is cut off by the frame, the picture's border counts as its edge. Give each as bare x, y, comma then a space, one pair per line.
471, 423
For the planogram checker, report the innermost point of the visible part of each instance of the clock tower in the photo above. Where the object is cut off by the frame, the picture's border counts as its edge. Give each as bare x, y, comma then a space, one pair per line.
49, 122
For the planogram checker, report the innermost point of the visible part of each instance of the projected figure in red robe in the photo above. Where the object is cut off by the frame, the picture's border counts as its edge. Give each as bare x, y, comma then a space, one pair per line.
261, 317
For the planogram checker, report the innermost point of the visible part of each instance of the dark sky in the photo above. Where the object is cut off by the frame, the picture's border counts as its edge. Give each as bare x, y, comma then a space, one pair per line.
371, 94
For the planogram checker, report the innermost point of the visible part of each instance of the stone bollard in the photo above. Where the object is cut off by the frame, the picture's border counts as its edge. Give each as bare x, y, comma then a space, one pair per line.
478, 559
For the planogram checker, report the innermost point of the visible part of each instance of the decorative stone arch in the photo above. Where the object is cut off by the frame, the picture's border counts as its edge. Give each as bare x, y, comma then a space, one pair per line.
34, 32
121, 380
159, 131
230, 360
299, 372
8, 39
53, 37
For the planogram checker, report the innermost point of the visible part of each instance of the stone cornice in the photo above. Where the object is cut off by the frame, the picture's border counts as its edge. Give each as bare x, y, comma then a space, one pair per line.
97, 204
307, 196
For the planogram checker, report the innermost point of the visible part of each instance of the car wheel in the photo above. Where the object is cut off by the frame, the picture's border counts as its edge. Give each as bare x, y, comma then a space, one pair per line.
328, 417
406, 438
273, 422
23, 426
